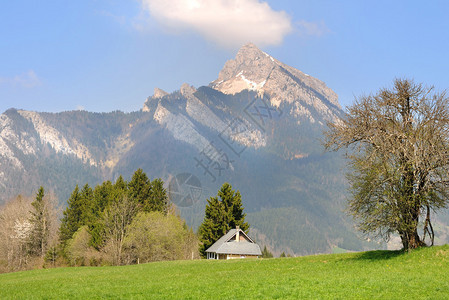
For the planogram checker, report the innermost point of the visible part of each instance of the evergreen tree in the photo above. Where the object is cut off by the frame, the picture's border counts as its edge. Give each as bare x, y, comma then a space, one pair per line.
140, 189
120, 188
221, 215
40, 221
232, 202
213, 226
150, 195
76, 214
87, 204
158, 200
102, 196
266, 253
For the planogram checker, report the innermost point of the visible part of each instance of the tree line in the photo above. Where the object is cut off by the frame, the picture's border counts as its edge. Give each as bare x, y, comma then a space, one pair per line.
114, 223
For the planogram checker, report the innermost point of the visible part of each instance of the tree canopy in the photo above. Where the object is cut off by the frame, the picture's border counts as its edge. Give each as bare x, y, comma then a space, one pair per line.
108, 209
398, 151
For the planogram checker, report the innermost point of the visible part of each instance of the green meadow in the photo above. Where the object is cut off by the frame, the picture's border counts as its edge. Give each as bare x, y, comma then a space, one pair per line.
420, 274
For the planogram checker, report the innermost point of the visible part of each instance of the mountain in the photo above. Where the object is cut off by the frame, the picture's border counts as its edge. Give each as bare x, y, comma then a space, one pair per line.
257, 126
253, 69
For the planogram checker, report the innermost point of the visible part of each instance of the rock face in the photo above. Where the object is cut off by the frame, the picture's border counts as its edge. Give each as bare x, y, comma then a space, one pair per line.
50, 135
257, 126
158, 93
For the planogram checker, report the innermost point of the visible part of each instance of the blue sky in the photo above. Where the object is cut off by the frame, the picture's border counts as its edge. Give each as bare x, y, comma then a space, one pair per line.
105, 55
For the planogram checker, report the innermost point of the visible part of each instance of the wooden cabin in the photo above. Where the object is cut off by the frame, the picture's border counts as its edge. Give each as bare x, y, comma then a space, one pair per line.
234, 244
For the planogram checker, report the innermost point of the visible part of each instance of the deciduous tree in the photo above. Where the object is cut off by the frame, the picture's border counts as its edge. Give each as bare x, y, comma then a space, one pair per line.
116, 217
155, 236
15, 230
399, 143
44, 223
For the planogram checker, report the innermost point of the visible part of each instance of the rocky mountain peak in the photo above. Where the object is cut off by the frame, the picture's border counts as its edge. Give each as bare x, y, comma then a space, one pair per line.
253, 69
159, 93
187, 90
249, 54
249, 70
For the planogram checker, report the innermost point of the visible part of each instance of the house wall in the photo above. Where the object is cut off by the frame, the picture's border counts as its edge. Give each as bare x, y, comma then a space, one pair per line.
228, 256
243, 238
237, 256
211, 255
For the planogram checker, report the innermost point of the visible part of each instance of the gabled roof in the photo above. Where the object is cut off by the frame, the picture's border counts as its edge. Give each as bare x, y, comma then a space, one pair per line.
225, 245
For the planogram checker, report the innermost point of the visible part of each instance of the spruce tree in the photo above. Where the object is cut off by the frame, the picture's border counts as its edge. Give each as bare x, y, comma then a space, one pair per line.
221, 215
102, 196
120, 188
158, 197
40, 220
87, 204
266, 253
232, 202
140, 189
76, 214
213, 226
150, 195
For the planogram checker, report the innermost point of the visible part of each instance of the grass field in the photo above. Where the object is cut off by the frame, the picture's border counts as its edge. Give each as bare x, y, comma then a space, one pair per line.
421, 274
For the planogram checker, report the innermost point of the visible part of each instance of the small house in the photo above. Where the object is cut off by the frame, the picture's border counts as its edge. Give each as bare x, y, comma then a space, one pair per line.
234, 244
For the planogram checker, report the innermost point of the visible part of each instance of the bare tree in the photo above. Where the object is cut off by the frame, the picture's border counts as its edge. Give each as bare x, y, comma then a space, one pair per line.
399, 142
15, 230
117, 216
44, 220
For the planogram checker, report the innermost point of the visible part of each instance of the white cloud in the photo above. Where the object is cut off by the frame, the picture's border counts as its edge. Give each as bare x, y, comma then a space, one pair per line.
229, 23
25, 80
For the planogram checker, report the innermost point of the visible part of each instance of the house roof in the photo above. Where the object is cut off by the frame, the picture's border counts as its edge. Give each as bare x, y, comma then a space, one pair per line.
227, 246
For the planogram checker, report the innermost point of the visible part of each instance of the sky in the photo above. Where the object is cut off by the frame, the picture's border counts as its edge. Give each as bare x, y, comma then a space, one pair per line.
106, 55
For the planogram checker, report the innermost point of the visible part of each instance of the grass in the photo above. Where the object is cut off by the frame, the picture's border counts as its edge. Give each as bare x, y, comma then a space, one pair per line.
421, 274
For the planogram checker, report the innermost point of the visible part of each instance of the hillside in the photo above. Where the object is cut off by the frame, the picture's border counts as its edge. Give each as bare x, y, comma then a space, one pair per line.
420, 274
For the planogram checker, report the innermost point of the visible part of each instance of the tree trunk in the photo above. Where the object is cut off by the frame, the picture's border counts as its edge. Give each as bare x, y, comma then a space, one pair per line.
411, 240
